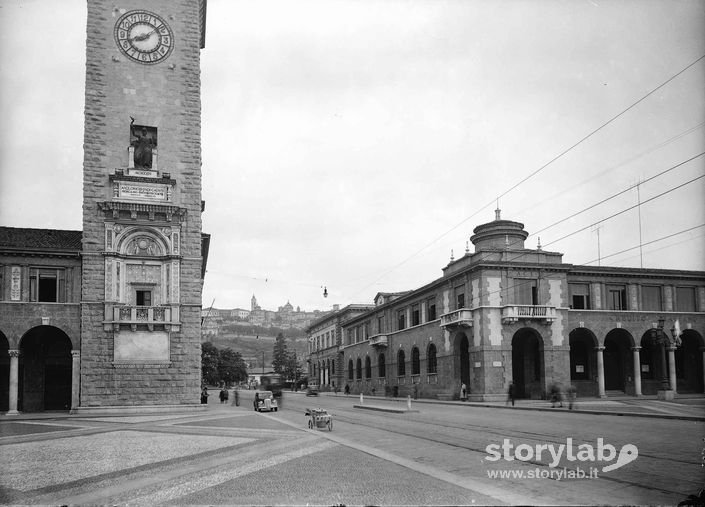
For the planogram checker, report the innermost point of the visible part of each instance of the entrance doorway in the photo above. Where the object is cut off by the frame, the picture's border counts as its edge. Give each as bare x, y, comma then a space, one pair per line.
463, 354
44, 370
617, 359
527, 364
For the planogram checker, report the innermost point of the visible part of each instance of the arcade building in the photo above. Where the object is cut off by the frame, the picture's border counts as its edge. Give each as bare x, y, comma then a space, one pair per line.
107, 319
508, 314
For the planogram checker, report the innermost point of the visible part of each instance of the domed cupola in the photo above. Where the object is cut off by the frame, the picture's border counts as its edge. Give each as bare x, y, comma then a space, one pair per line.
499, 235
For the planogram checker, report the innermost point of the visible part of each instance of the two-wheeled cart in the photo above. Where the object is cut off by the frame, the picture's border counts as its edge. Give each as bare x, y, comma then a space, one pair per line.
319, 419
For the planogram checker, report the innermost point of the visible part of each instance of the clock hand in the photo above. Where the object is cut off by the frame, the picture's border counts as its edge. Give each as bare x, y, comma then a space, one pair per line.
143, 36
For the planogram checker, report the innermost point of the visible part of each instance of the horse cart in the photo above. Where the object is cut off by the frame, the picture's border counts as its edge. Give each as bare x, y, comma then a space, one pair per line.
319, 419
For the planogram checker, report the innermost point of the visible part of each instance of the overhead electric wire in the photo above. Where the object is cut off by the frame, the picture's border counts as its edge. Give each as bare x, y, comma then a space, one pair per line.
626, 209
537, 171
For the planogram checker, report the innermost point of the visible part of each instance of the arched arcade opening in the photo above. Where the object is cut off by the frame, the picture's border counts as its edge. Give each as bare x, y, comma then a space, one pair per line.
689, 362
45, 364
583, 362
618, 361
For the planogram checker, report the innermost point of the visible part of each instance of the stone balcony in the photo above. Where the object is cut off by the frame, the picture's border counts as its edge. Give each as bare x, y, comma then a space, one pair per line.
163, 317
515, 313
459, 318
379, 340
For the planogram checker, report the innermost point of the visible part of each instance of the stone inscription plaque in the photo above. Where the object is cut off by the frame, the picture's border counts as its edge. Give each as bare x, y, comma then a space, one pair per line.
136, 191
141, 346
15, 280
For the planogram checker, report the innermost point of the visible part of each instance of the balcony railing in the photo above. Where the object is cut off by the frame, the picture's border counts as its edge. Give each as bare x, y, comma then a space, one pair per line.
163, 316
461, 317
379, 340
515, 313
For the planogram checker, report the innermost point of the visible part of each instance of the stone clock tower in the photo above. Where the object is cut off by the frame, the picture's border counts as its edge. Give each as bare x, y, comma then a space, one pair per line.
143, 259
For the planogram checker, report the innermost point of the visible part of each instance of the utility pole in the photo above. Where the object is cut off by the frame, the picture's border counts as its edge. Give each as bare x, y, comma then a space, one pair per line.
597, 229
638, 197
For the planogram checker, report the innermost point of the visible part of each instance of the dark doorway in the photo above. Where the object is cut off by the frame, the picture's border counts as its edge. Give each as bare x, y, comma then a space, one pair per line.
527, 364
617, 360
689, 363
4, 374
45, 370
463, 351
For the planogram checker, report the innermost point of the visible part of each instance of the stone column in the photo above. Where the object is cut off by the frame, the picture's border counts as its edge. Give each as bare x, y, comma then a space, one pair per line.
637, 370
600, 372
14, 381
75, 378
672, 368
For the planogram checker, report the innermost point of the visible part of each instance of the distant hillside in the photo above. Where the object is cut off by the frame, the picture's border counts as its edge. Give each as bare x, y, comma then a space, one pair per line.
251, 347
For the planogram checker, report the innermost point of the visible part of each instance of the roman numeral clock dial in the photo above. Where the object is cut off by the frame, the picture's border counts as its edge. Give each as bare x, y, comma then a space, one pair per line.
144, 37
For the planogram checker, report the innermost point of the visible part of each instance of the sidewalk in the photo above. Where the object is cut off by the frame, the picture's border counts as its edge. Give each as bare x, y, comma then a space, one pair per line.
690, 407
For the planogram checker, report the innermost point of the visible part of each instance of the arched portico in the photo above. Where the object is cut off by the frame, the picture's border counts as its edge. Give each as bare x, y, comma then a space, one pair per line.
618, 363
528, 372
46, 371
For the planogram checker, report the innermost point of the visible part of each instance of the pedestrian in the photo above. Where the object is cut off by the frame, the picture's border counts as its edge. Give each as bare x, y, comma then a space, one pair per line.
204, 396
347, 389
572, 394
510, 393
463, 392
556, 395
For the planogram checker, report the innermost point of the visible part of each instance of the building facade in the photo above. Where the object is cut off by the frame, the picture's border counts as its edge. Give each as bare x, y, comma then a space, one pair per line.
507, 314
325, 343
125, 319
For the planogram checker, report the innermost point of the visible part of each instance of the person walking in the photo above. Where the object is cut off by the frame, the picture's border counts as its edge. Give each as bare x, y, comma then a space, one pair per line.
463, 392
572, 394
556, 395
510, 393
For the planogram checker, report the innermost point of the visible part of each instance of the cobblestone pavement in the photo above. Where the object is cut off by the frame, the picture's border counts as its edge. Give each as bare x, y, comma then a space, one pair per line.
232, 456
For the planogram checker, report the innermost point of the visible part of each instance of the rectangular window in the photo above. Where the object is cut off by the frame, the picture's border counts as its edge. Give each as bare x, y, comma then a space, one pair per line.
380, 325
525, 292
616, 297
401, 319
415, 315
47, 285
579, 296
431, 305
366, 330
459, 297
685, 299
144, 297
651, 298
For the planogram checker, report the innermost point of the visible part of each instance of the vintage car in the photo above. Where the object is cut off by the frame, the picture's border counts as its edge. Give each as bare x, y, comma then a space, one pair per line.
264, 400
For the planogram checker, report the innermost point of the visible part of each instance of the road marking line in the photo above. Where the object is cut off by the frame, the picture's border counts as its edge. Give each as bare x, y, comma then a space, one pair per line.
200, 483
498, 493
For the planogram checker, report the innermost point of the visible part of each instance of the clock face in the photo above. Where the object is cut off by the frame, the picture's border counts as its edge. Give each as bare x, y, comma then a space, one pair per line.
144, 37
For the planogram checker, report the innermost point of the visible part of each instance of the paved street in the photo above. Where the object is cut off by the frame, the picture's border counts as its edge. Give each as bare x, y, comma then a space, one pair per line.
434, 454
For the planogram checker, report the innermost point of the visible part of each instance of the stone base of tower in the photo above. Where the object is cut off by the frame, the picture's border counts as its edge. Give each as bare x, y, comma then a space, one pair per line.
139, 409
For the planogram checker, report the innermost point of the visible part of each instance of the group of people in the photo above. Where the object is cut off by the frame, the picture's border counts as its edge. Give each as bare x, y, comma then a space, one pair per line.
555, 394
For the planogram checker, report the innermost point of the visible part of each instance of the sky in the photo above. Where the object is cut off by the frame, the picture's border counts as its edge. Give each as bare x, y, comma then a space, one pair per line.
354, 145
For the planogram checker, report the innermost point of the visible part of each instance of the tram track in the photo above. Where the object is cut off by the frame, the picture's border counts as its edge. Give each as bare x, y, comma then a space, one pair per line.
465, 444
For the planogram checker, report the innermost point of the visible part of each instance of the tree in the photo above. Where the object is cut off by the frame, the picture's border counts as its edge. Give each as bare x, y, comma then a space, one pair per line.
294, 370
280, 355
209, 363
231, 366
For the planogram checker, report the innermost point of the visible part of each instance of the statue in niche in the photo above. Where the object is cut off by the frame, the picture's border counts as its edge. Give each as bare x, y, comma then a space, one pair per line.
144, 140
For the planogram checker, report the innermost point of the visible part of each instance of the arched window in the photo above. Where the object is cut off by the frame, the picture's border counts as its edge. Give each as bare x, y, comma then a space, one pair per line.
368, 367
401, 366
359, 368
415, 361
350, 370
382, 367
432, 365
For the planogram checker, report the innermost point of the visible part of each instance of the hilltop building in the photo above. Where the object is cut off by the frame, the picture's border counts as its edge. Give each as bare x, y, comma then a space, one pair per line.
509, 314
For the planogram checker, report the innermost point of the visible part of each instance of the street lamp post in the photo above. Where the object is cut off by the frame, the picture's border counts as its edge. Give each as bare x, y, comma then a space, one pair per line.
663, 339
